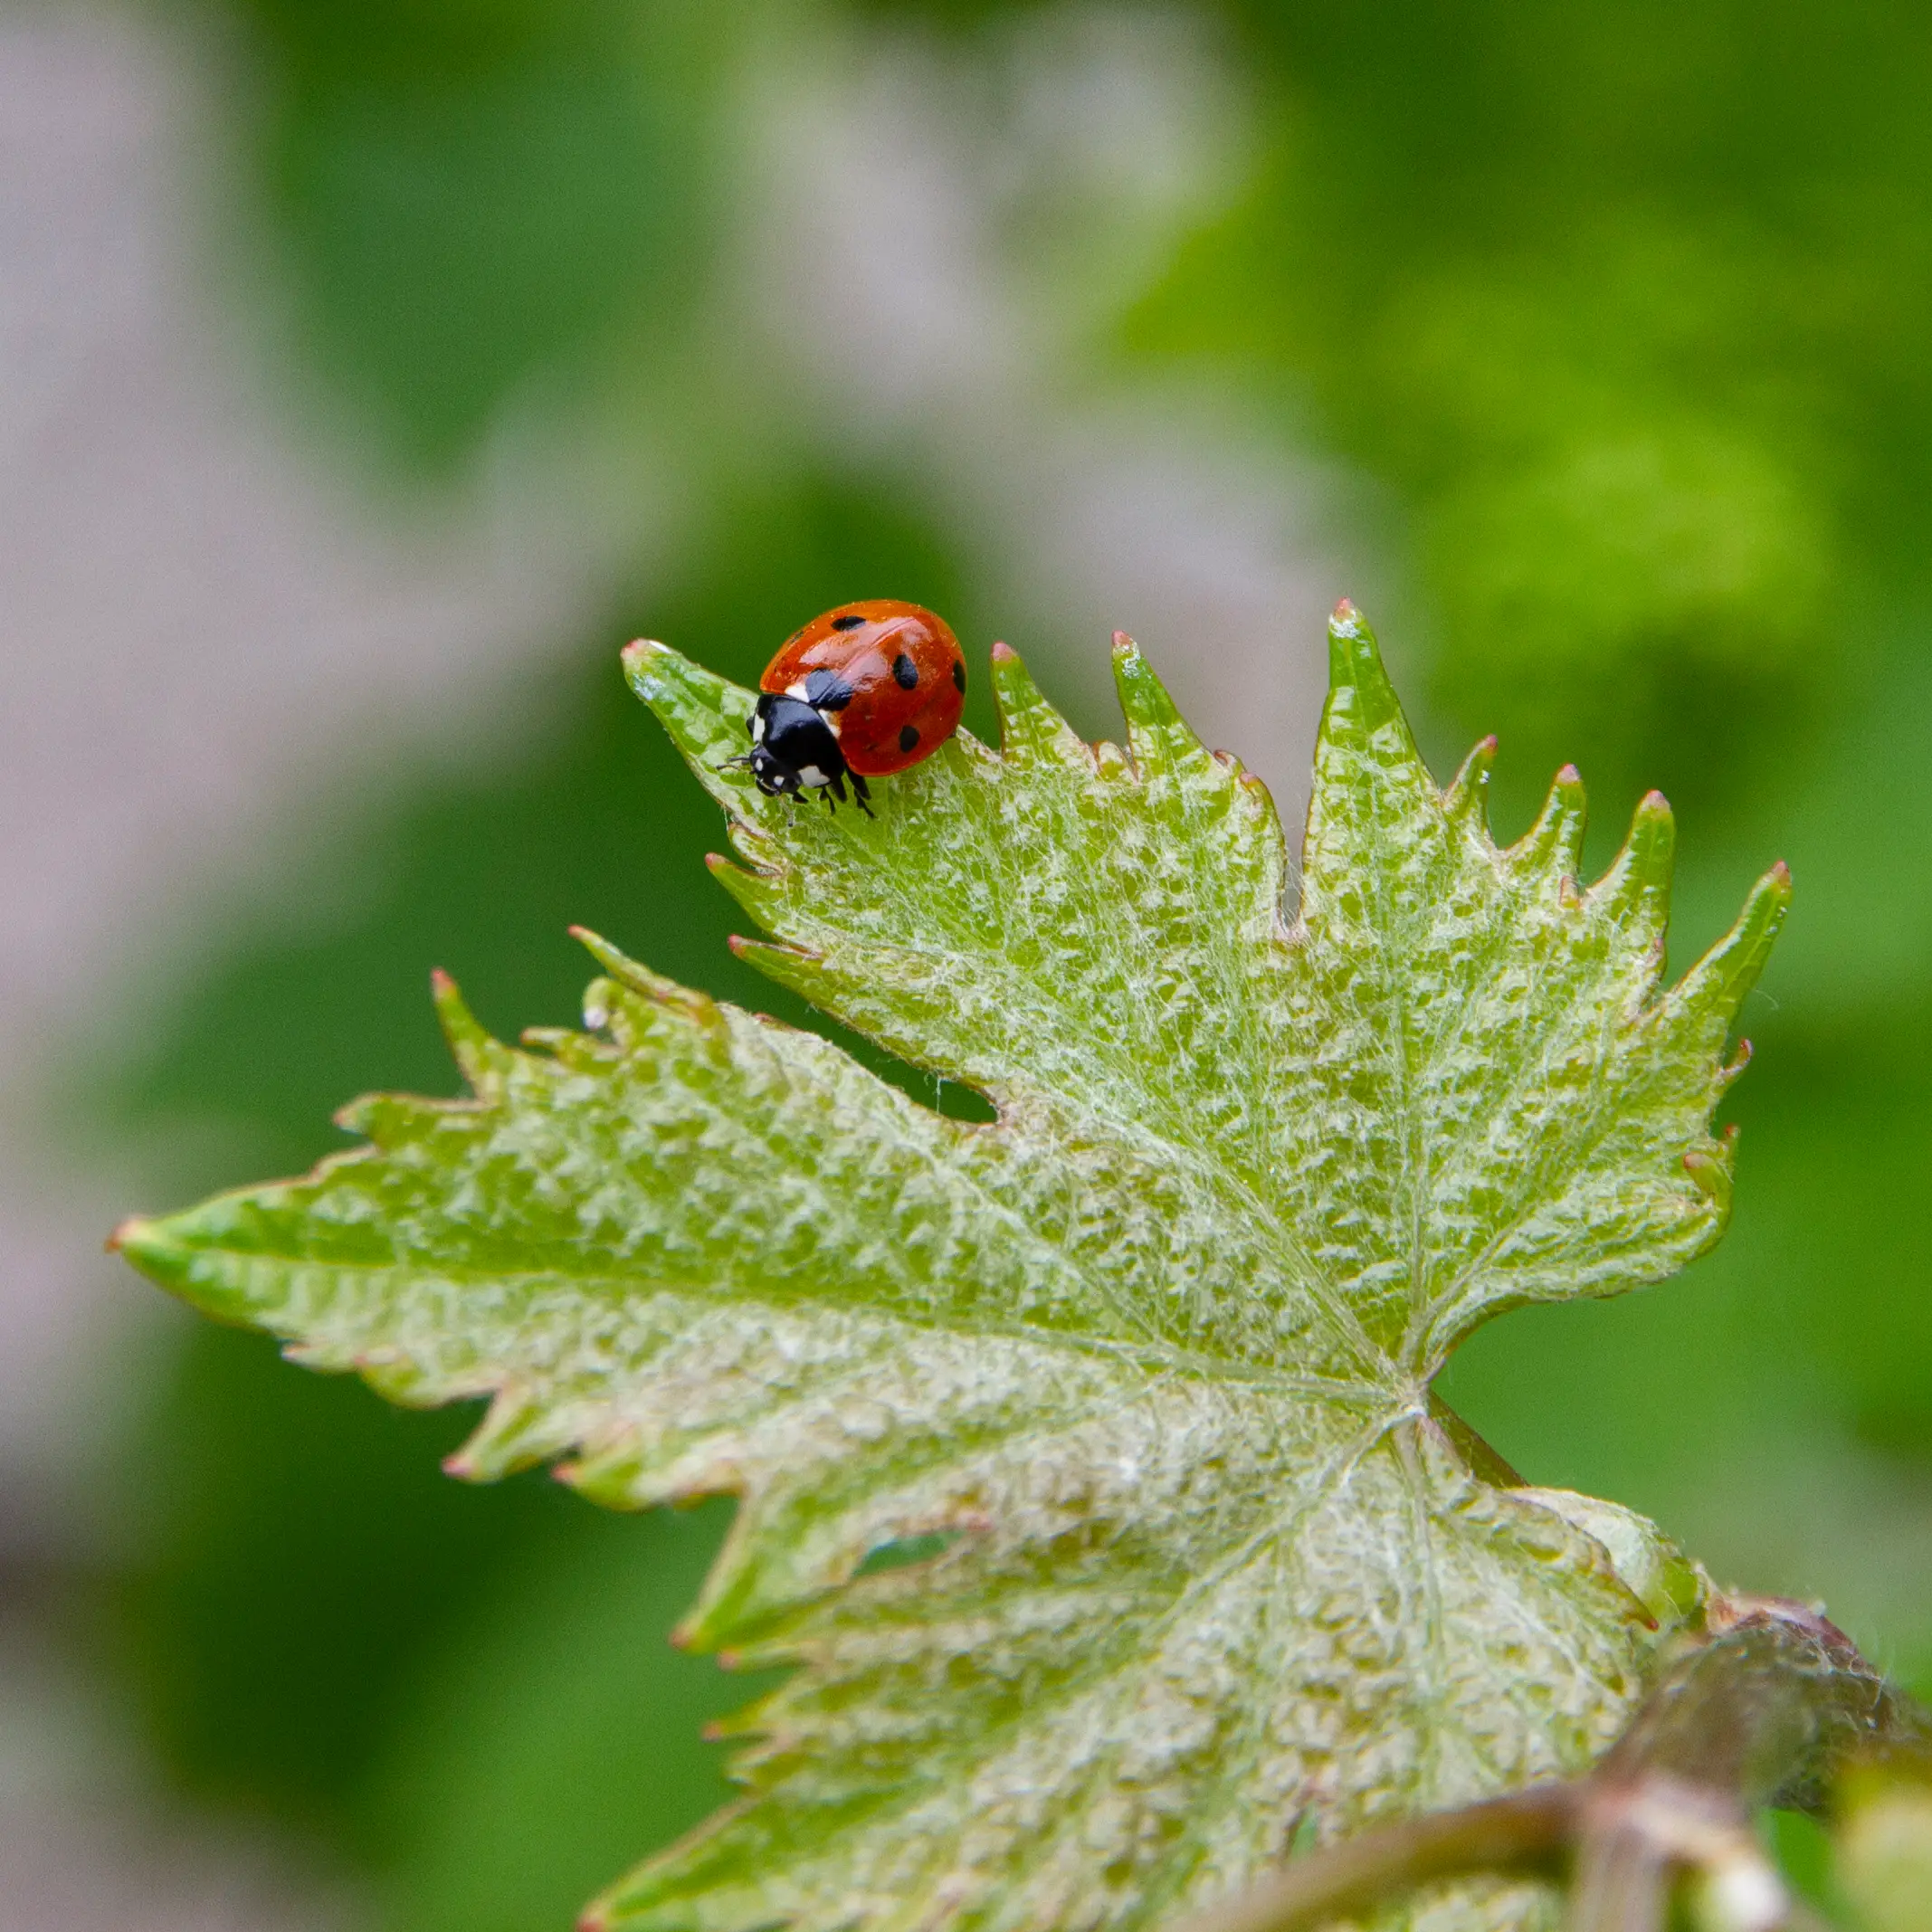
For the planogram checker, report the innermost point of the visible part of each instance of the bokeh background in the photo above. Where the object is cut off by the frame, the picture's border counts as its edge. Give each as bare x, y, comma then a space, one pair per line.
371, 370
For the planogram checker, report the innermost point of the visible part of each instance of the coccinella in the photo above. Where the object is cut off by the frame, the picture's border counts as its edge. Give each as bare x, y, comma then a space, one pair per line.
864, 691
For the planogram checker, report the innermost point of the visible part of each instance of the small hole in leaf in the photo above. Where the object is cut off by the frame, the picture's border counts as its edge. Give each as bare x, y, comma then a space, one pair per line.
962, 1103
902, 1550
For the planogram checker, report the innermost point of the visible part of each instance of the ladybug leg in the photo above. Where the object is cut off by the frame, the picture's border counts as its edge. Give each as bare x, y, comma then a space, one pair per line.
835, 792
863, 792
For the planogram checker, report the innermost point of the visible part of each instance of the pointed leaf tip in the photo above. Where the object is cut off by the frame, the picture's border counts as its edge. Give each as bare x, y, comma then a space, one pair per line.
1145, 704
1726, 975
619, 965
1556, 838
679, 692
1467, 798
1709, 1171
1350, 641
1653, 827
1635, 890
459, 1026
639, 662
138, 1241
1030, 728
475, 1052
1354, 665
451, 1007
637, 978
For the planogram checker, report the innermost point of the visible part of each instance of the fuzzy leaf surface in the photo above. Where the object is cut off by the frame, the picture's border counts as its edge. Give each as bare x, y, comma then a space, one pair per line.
1146, 1360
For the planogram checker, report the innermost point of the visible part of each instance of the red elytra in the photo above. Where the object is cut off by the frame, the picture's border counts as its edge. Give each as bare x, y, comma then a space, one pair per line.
902, 669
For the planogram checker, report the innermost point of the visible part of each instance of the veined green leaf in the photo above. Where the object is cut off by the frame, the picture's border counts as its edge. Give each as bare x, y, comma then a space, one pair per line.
1145, 1361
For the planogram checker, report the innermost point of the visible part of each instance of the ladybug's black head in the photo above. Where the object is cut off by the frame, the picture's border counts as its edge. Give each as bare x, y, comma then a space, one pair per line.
794, 749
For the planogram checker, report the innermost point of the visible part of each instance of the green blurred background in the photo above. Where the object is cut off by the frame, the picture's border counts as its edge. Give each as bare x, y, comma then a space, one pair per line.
1597, 342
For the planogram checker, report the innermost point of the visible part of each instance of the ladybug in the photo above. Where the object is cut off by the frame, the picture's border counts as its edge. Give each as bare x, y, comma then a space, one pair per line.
863, 691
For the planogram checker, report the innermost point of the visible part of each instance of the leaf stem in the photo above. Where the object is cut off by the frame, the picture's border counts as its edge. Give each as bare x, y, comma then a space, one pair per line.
1771, 1707
1528, 1831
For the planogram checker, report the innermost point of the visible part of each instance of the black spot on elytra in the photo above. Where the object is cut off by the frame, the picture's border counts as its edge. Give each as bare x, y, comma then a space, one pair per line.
849, 621
826, 690
905, 672
960, 675
908, 738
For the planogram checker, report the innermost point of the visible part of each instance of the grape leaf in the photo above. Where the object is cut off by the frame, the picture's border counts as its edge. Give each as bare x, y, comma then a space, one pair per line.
1134, 1382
